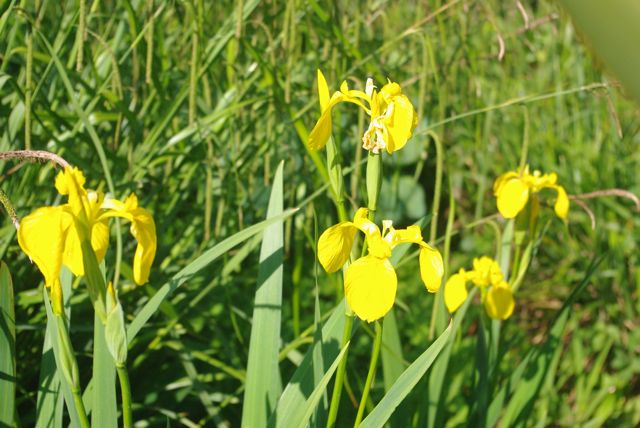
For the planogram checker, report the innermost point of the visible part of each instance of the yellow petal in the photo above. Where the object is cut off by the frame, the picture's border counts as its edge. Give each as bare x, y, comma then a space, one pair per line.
431, 267
334, 245
499, 302
512, 197
399, 123
322, 130
71, 182
502, 179
561, 206
72, 255
486, 271
41, 236
143, 229
370, 287
323, 91
455, 291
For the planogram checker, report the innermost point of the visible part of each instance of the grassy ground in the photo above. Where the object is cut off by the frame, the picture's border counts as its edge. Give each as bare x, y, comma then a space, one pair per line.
192, 105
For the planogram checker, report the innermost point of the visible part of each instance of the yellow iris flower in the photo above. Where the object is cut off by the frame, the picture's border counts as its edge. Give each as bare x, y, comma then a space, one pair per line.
512, 192
393, 117
370, 282
486, 274
52, 236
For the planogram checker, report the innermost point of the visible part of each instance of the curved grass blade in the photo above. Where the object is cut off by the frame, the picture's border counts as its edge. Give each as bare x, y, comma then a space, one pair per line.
412, 375
302, 416
263, 384
8, 347
302, 383
195, 266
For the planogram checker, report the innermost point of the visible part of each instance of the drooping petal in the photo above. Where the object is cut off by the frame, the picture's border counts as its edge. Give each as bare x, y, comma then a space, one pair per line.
41, 236
455, 291
561, 206
431, 267
370, 287
512, 196
503, 178
499, 302
334, 245
143, 229
399, 123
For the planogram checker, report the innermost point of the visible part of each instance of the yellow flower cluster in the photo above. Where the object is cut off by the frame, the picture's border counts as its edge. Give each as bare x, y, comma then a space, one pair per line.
53, 236
371, 282
393, 117
486, 274
512, 192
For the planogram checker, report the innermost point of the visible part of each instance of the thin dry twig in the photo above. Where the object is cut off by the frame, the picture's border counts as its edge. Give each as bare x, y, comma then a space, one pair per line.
586, 208
609, 192
35, 154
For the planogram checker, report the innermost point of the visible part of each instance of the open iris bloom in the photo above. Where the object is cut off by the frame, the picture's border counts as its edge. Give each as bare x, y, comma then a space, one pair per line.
393, 117
54, 236
495, 291
512, 191
370, 282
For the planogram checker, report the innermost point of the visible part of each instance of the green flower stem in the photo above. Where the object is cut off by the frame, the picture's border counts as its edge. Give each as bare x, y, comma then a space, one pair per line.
336, 179
337, 388
374, 182
125, 390
82, 414
69, 368
371, 375
435, 205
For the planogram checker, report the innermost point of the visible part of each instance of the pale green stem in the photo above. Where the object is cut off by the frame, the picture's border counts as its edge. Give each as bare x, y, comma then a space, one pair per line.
435, 206
70, 370
80, 35
372, 373
525, 140
125, 390
28, 91
337, 388
374, 181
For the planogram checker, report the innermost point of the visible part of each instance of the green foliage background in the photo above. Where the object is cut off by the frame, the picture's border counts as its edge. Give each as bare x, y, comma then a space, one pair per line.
199, 143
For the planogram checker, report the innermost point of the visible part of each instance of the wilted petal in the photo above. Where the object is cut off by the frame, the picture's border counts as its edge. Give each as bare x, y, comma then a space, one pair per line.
370, 287
512, 196
431, 267
455, 291
499, 302
41, 236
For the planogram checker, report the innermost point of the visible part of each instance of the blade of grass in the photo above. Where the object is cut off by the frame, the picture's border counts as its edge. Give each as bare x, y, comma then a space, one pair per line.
412, 375
8, 346
103, 410
195, 266
312, 402
528, 377
299, 388
264, 385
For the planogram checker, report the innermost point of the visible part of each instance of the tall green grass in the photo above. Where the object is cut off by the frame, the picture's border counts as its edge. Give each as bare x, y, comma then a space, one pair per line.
193, 105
